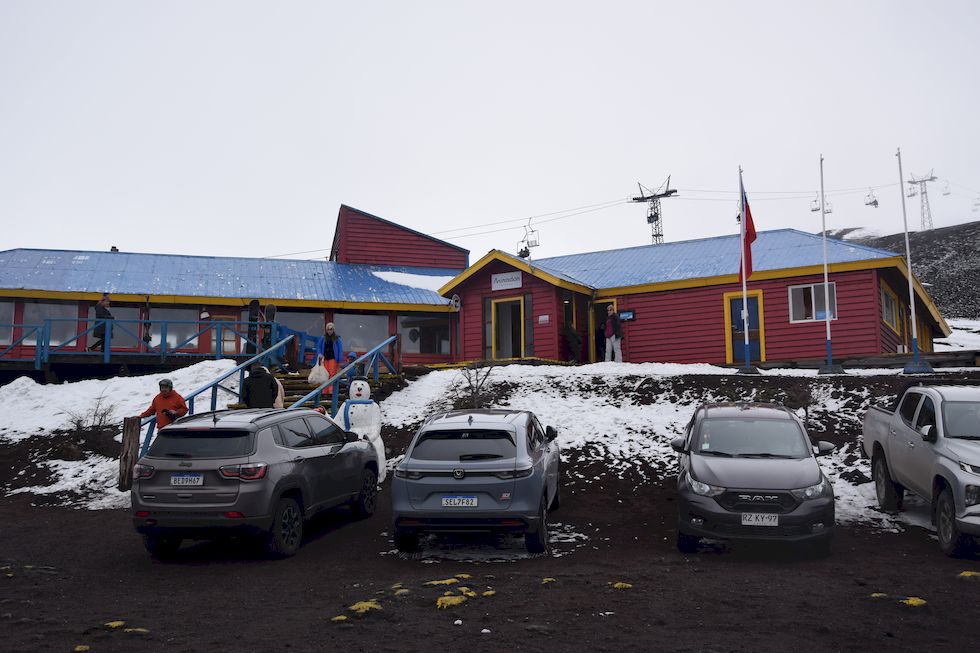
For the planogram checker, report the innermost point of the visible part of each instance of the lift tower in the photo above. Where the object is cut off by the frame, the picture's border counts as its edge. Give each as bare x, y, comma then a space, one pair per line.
921, 183
652, 198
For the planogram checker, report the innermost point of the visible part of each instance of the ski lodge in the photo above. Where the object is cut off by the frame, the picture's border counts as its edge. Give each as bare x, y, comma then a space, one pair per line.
678, 302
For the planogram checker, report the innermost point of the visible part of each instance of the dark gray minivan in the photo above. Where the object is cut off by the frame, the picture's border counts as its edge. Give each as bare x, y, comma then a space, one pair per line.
748, 472
253, 472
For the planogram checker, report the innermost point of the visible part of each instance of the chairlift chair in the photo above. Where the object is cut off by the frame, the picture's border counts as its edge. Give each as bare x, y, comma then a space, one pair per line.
870, 199
946, 190
912, 192
828, 207
815, 204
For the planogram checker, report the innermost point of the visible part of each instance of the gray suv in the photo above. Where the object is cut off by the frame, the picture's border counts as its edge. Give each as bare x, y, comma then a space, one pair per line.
748, 471
252, 472
477, 471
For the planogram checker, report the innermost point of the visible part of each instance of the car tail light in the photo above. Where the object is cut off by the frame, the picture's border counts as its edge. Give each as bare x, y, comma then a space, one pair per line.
246, 472
514, 473
142, 471
142, 514
405, 473
234, 514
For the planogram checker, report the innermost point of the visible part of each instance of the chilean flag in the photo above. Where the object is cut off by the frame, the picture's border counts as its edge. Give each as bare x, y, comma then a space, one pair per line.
748, 234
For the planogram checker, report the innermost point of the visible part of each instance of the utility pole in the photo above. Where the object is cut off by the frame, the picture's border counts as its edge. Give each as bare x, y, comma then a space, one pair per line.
654, 216
924, 202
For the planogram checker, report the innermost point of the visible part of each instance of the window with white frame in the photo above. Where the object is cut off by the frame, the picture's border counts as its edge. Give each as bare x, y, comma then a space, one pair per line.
6, 322
890, 309
807, 303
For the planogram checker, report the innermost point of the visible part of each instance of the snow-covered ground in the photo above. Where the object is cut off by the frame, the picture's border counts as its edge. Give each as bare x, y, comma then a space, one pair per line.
603, 413
966, 335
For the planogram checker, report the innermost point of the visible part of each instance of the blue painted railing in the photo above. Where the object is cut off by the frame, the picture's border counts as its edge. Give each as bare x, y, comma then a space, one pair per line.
214, 386
136, 345
371, 360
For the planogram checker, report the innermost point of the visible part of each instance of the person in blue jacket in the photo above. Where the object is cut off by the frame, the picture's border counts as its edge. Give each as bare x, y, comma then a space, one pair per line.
331, 348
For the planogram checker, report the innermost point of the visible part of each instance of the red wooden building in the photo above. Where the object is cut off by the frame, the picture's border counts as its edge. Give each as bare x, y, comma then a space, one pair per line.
681, 302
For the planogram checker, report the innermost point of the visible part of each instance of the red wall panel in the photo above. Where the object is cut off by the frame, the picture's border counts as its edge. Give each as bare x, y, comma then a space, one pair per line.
362, 238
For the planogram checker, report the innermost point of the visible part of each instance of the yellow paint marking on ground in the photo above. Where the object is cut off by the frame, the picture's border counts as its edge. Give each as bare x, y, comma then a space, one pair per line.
969, 574
401, 591
878, 595
365, 606
914, 601
489, 592
463, 576
466, 591
449, 593
620, 585
339, 618
82, 647
445, 581
396, 586
545, 581
114, 624
138, 631
444, 602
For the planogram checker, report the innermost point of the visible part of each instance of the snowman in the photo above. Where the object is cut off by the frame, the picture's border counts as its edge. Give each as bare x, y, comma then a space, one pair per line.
362, 416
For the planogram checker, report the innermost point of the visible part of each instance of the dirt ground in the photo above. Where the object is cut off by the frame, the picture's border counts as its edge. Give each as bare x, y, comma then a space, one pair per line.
65, 573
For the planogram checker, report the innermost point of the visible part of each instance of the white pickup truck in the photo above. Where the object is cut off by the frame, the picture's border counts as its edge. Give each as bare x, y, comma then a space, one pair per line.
929, 444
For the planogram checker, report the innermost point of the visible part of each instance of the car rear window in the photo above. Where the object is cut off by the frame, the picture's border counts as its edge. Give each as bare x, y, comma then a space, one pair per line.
204, 443
463, 445
778, 438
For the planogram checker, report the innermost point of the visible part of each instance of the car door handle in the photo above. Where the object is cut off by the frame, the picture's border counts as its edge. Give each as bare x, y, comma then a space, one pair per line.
893, 431
910, 444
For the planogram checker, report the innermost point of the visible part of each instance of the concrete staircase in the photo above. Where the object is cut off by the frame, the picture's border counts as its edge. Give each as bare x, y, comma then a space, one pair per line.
297, 386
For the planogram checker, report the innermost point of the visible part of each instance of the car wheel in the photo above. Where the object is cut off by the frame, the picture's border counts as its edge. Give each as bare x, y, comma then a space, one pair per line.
890, 494
161, 547
687, 543
951, 541
537, 541
556, 502
286, 535
366, 501
406, 542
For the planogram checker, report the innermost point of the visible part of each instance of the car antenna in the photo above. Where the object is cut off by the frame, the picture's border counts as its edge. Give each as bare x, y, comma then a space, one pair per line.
214, 417
470, 420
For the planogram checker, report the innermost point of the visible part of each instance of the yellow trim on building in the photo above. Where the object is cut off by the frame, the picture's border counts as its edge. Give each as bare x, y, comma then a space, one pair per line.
227, 301
520, 264
896, 315
493, 325
729, 357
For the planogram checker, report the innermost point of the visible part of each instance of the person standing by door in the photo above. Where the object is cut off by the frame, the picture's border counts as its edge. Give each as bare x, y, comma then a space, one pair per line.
614, 336
102, 328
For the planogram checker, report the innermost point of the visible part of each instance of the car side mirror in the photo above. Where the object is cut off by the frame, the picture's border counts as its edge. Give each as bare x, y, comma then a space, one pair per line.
551, 433
824, 448
928, 432
350, 436
679, 445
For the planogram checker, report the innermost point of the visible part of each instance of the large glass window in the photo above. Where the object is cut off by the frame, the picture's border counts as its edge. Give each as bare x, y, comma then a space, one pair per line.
6, 319
424, 334
64, 325
806, 303
361, 332
125, 334
176, 333
310, 322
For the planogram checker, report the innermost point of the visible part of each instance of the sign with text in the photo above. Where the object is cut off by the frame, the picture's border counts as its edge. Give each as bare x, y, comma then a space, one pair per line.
506, 280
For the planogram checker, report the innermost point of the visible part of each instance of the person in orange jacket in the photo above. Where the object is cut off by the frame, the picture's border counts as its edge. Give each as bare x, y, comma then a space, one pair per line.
169, 406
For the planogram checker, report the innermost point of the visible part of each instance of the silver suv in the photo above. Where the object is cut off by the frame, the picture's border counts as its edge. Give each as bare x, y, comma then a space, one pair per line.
477, 470
253, 472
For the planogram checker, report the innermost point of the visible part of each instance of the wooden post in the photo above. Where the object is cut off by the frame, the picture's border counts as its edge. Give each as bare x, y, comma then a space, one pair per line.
129, 451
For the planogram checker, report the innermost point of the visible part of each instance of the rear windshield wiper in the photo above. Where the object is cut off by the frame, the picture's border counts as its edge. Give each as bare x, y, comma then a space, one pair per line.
708, 452
479, 456
178, 454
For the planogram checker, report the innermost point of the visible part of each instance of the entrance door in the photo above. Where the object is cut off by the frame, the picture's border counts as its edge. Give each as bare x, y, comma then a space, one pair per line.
597, 329
736, 328
508, 328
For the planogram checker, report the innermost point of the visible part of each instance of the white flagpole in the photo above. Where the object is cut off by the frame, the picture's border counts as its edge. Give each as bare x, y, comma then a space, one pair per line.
915, 365
826, 276
745, 287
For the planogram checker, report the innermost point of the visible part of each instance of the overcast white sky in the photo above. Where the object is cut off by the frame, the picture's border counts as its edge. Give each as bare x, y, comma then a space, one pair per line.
238, 128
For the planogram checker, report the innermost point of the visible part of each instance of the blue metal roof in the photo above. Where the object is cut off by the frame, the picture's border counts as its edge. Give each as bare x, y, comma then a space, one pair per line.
213, 276
708, 257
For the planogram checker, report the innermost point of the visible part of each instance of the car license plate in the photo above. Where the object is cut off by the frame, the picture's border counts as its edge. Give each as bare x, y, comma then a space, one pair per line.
186, 479
760, 519
459, 502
